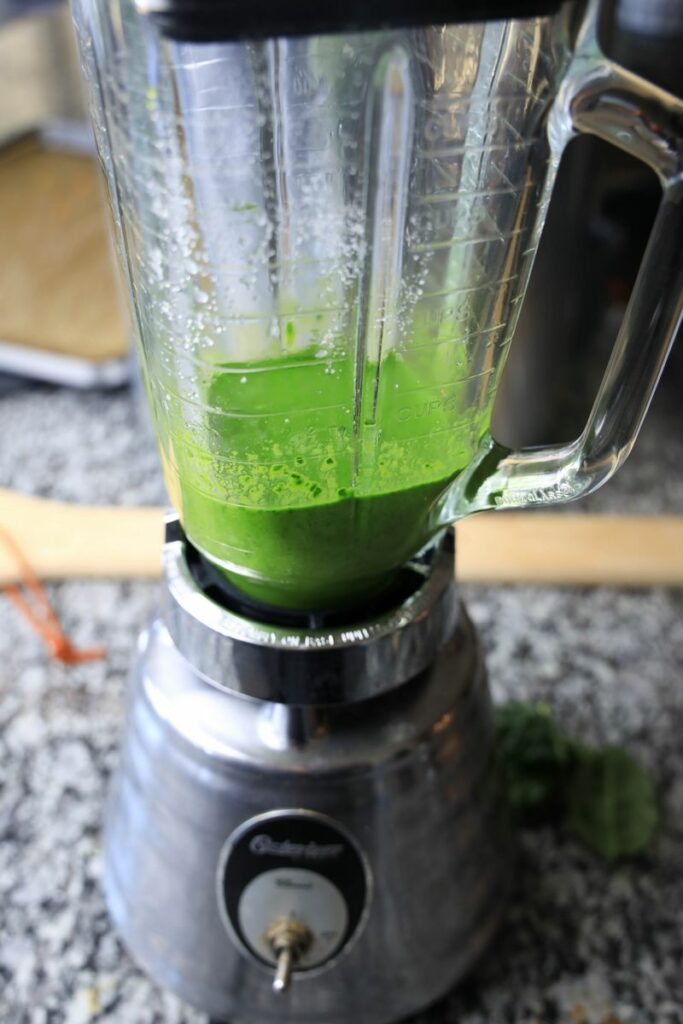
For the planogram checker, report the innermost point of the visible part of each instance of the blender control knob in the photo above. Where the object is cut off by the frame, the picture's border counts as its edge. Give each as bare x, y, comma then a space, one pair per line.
289, 939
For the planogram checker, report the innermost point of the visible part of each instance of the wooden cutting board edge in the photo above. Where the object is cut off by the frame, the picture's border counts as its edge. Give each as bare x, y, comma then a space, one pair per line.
62, 540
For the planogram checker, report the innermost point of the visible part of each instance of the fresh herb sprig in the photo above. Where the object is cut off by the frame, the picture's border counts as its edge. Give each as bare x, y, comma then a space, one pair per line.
603, 795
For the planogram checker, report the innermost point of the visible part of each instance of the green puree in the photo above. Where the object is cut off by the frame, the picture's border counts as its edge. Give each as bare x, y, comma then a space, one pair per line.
306, 498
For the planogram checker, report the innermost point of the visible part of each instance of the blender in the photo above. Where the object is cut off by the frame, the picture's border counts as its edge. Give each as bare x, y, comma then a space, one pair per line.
327, 218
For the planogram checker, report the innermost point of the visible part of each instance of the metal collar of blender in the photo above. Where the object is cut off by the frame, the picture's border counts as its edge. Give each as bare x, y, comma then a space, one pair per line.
228, 20
309, 666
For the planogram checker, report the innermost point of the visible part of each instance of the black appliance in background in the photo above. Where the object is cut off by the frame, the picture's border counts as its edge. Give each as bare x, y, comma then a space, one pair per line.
587, 262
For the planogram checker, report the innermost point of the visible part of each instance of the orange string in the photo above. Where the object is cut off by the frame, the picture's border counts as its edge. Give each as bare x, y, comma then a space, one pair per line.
39, 612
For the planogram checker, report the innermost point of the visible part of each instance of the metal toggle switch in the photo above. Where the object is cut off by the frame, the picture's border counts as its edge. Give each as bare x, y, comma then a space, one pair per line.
289, 939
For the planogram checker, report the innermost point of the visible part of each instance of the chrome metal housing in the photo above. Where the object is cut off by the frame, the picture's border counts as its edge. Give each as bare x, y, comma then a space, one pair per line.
311, 666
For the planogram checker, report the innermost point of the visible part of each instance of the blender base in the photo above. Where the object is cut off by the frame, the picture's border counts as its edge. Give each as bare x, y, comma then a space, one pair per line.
373, 825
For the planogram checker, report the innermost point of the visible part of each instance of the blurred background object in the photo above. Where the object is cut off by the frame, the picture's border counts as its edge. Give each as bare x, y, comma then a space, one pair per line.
61, 318
647, 36
39, 72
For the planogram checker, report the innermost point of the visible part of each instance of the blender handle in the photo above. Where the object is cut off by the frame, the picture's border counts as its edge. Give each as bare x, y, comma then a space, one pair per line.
600, 98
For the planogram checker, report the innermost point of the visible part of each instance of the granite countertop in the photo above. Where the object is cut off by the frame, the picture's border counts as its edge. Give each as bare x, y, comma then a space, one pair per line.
582, 944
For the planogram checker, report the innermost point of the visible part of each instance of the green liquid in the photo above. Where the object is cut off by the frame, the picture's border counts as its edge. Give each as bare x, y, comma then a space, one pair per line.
307, 499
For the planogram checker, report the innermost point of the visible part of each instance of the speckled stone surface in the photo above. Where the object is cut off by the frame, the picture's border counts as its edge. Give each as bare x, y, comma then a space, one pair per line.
582, 944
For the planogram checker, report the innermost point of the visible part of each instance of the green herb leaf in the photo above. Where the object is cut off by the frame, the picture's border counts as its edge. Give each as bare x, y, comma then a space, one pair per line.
534, 758
612, 804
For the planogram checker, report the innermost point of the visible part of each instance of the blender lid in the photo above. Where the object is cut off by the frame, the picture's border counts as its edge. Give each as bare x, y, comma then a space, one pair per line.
223, 20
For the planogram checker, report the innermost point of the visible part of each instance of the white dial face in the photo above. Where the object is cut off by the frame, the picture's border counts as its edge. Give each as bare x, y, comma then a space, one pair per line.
299, 867
300, 895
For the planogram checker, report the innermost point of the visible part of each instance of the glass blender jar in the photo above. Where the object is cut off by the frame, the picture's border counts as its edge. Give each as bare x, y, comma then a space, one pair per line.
327, 235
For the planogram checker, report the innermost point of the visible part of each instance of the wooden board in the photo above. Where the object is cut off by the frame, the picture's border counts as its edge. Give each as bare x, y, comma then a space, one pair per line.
63, 540
564, 549
58, 286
